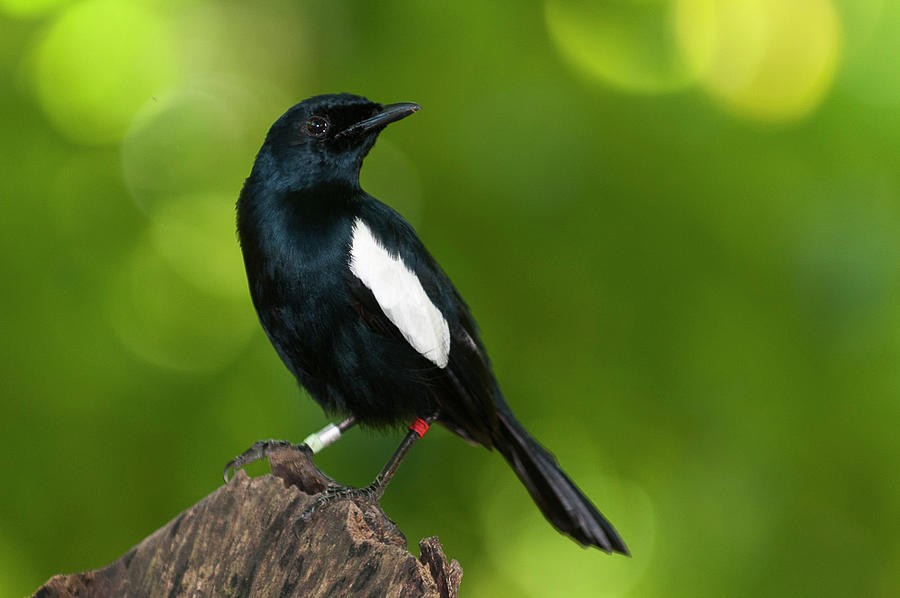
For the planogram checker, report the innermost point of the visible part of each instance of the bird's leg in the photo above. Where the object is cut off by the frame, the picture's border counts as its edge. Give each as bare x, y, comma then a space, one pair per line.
313, 443
376, 489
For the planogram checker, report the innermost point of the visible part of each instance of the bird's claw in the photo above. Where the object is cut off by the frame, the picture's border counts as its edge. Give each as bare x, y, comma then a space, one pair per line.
370, 493
260, 449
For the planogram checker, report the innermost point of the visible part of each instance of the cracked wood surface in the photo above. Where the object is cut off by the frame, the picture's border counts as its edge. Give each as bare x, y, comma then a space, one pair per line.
247, 538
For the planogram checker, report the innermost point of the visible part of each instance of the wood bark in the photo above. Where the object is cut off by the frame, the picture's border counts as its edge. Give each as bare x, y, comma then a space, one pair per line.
248, 538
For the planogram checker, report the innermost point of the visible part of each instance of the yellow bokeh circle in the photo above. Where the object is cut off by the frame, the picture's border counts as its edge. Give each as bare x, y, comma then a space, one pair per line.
629, 45
98, 63
766, 60
176, 322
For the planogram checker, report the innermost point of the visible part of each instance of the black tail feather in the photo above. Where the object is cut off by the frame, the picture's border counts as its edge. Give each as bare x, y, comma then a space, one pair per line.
558, 498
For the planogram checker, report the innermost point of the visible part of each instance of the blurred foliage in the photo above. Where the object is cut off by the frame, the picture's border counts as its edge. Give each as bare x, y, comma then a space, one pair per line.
678, 222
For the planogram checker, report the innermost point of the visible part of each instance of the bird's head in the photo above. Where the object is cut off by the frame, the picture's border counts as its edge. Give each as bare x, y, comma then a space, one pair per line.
323, 140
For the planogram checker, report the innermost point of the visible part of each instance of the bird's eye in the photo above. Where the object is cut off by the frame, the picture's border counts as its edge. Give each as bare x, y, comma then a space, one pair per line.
317, 126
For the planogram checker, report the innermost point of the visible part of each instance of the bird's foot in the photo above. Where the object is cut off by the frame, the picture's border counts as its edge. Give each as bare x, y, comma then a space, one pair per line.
260, 449
370, 493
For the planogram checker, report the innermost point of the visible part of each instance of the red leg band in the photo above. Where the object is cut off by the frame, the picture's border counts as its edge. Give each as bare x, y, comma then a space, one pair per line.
420, 426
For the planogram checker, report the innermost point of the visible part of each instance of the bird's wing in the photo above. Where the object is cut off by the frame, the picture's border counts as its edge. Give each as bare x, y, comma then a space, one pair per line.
398, 289
400, 295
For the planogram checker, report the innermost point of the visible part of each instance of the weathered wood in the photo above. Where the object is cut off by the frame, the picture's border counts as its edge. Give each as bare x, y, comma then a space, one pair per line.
247, 539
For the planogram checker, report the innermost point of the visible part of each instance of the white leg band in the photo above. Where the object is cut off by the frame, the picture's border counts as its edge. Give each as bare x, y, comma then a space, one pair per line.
324, 437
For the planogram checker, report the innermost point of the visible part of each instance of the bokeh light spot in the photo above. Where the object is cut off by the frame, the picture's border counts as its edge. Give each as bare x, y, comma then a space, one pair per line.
630, 45
189, 141
98, 63
168, 321
532, 550
766, 60
196, 235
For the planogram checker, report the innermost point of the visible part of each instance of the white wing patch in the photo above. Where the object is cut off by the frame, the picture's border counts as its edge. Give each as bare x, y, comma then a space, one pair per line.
400, 294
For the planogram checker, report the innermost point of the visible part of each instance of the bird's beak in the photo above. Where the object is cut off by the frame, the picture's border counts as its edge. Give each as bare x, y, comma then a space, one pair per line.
389, 113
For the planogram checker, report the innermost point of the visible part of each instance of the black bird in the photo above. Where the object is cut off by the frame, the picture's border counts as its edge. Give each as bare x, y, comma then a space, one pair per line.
365, 318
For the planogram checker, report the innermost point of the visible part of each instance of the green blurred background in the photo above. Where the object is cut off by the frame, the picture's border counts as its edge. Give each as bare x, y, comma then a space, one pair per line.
677, 221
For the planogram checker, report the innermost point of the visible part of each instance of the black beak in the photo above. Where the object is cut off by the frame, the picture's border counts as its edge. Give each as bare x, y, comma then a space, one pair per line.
390, 113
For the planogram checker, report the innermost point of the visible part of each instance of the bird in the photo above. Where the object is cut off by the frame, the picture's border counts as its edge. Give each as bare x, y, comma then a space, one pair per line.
364, 317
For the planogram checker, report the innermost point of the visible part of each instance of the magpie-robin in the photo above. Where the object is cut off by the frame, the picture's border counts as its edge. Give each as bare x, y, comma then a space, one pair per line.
365, 318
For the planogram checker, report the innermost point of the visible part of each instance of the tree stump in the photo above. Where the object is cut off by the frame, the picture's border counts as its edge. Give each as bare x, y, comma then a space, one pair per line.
247, 538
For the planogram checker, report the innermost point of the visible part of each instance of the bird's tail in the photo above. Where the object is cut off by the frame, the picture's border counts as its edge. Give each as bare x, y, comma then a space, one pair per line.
558, 498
